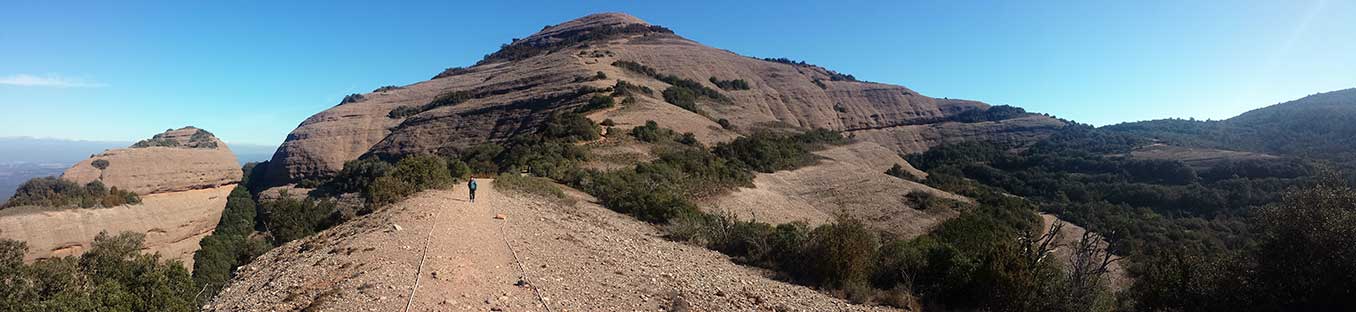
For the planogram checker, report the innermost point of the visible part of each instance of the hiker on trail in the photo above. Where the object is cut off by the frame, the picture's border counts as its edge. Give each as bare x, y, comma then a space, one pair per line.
472, 185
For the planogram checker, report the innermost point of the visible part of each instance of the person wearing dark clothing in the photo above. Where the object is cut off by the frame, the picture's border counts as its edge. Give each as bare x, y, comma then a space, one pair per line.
472, 186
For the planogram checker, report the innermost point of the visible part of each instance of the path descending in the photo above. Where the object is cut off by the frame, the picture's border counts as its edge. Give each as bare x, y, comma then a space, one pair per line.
581, 256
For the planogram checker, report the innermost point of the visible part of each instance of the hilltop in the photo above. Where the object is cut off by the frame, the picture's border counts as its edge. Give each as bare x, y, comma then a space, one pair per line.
715, 94
178, 181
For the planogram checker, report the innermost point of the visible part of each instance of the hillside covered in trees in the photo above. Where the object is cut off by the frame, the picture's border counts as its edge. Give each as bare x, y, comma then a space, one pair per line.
1318, 126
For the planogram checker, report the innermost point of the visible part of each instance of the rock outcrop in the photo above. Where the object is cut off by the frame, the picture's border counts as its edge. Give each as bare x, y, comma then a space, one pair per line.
183, 177
177, 160
558, 68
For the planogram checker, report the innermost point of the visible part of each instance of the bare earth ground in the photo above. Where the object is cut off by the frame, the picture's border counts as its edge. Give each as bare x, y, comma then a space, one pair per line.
581, 257
851, 180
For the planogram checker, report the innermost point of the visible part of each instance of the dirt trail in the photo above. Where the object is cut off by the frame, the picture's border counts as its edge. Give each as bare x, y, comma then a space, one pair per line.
581, 256
467, 256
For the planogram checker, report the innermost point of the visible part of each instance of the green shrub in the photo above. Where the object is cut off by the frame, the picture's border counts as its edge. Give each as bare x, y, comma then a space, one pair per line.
624, 88
820, 83
571, 127
597, 102
521, 49
458, 169
448, 98
994, 113
924, 200
682, 97
452, 71
289, 219
725, 124
410, 175
403, 111
59, 193
529, 185
113, 275
651, 132
352, 98
387, 190
768, 152
100, 164
358, 174
737, 84
678, 83
899, 172
608, 123
846, 254
229, 246
481, 157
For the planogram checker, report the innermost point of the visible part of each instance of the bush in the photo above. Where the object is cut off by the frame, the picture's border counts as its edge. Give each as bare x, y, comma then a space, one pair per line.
623, 88
357, 175
608, 123
767, 152
113, 275
924, 200
678, 83
352, 98
386, 88
651, 132
570, 127
229, 246
682, 97
100, 164
529, 185
522, 49
597, 102
847, 254
403, 111
899, 172
737, 84
787, 61
448, 98
289, 219
995, 113
58, 193
451, 71
725, 124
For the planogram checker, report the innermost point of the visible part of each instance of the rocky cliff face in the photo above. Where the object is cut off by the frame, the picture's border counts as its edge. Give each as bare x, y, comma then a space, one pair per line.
556, 69
177, 160
182, 175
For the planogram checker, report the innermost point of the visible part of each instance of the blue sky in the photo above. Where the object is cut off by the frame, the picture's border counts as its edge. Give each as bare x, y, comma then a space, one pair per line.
250, 71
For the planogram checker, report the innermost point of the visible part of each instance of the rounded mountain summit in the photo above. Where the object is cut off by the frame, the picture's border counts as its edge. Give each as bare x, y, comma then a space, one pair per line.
683, 85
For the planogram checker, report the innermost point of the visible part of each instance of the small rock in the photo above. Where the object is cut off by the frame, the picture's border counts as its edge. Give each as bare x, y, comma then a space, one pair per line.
396, 227
500, 216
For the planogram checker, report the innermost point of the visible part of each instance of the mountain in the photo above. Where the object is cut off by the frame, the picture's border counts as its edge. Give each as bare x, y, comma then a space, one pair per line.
714, 94
588, 103
1317, 126
182, 177
23, 158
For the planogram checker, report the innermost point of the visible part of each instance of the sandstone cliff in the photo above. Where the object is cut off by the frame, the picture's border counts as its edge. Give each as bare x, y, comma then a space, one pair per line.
513, 89
182, 175
177, 160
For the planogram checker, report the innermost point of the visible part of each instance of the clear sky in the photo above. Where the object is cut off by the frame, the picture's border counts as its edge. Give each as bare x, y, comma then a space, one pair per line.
250, 71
